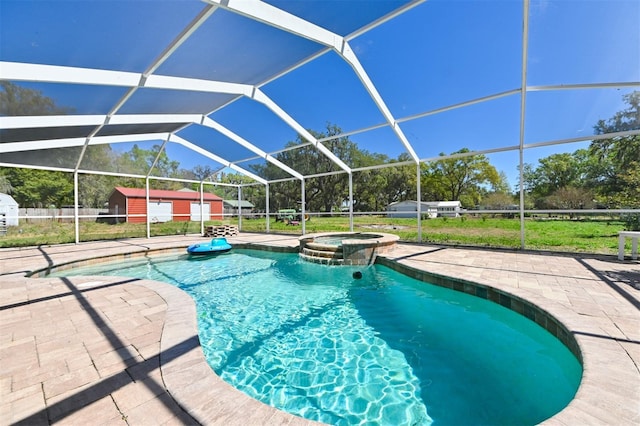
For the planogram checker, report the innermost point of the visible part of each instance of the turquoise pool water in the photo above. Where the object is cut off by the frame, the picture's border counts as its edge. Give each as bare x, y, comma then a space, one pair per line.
336, 240
385, 349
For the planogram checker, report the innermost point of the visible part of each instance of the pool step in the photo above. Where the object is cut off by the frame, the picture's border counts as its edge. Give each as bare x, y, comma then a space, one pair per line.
329, 255
322, 260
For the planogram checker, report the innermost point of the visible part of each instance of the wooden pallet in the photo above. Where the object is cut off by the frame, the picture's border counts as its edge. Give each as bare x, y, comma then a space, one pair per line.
221, 231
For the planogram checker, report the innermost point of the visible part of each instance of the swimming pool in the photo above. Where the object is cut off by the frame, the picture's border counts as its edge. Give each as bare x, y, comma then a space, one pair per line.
386, 349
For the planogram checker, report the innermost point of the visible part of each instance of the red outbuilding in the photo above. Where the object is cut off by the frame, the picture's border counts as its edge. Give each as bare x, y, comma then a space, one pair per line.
130, 205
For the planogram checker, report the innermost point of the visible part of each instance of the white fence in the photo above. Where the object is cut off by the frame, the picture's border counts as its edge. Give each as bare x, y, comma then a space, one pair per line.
31, 215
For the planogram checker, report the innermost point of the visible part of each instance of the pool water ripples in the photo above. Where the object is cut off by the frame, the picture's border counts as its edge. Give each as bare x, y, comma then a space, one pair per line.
385, 349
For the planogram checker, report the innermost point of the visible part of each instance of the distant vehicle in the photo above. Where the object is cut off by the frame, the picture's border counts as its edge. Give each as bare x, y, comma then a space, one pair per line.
287, 215
290, 216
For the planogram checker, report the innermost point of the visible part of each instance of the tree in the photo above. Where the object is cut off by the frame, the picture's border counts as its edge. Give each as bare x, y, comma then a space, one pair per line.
502, 185
500, 198
322, 193
571, 198
202, 172
327, 193
555, 172
559, 173
30, 187
401, 181
606, 171
498, 201
626, 149
616, 157
465, 179
231, 192
153, 161
41, 188
5, 184
630, 196
19, 101
375, 189
93, 189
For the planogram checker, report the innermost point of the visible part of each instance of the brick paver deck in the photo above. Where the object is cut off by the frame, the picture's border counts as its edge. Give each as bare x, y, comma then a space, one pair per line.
103, 350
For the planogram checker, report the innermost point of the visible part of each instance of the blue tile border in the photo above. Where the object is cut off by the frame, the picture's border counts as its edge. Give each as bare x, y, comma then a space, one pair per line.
509, 301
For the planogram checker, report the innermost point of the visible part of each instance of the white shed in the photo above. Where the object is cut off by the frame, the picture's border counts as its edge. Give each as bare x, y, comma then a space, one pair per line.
9, 210
430, 208
446, 208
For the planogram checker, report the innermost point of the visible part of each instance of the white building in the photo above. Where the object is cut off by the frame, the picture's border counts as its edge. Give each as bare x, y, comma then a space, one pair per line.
8, 210
429, 208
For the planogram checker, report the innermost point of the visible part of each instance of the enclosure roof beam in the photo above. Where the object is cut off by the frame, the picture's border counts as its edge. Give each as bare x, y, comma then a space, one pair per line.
350, 57
285, 21
179, 140
71, 142
261, 97
273, 16
72, 75
388, 17
582, 139
581, 86
166, 53
25, 122
81, 120
243, 142
181, 38
61, 74
158, 156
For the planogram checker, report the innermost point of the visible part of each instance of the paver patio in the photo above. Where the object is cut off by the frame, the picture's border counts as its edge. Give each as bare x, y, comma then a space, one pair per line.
103, 350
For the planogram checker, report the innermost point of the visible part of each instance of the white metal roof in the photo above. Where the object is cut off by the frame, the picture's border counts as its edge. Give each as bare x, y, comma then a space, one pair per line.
7, 200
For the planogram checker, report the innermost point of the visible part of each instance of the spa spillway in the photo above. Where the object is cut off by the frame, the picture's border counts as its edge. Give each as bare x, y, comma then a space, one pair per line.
345, 248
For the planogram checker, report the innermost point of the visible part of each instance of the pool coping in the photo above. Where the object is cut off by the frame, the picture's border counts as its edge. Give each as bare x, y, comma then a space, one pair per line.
610, 384
510, 301
190, 380
609, 389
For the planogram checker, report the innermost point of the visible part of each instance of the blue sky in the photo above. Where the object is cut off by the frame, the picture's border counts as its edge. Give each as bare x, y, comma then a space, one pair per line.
438, 54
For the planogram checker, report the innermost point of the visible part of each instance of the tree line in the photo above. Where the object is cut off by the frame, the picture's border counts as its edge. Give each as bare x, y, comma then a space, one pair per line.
604, 175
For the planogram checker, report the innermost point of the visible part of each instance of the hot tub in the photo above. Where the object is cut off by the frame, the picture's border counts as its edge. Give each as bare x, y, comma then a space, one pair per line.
345, 248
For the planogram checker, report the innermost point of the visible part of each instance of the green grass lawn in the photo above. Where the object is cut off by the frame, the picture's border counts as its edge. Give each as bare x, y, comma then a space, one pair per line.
584, 236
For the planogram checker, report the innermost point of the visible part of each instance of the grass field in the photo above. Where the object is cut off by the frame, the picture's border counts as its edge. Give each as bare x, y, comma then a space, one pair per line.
583, 236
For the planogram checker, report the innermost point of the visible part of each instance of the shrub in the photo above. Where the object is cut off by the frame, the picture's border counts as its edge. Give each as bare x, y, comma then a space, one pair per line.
631, 221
